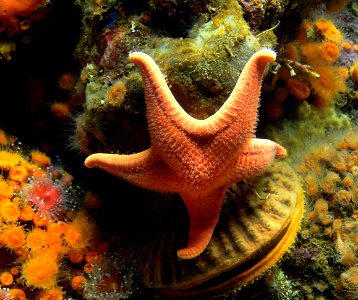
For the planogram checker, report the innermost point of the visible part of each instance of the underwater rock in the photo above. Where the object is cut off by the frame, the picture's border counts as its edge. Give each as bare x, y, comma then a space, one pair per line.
16, 18
201, 70
16, 15
327, 242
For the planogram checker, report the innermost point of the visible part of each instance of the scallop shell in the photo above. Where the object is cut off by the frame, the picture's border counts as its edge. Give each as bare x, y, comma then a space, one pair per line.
258, 222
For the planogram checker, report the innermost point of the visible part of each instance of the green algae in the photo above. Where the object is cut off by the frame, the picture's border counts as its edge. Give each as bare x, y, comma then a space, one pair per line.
310, 124
201, 70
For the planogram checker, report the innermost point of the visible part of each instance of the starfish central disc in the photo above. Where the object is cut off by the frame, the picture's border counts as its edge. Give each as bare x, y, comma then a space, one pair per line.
199, 159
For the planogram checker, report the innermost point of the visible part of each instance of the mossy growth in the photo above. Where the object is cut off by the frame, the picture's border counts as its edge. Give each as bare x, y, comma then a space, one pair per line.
310, 124
327, 242
201, 71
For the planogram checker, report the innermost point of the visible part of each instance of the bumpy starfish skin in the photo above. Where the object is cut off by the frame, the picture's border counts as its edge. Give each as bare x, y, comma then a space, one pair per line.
200, 159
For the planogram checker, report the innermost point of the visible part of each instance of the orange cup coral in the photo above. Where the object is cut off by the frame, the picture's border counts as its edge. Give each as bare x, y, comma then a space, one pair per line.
330, 52
80, 232
12, 236
41, 271
38, 245
354, 71
298, 89
9, 211
6, 278
328, 30
16, 15
328, 85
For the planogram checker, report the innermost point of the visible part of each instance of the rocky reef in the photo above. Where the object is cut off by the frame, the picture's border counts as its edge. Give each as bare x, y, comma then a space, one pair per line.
201, 69
69, 90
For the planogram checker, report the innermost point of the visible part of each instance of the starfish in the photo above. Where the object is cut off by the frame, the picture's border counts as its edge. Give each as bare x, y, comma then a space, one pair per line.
199, 159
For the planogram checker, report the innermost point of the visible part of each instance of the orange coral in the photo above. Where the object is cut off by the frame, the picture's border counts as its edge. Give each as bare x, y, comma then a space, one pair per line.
12, 236
330, 52
40, 158
41, 271
343, 197
59, 227
3, 137
301, 34
88, 268
18, 173
328, 30
40, 241
347, 46
291, 51
328, 85
14, 271
316, 53
350, 141
311, 185
320, 209
116, 93
26, 213
9, 211
76, 257
67, 81
92, 257
281, 94
9, 160
6, 191
6, 278
348, 181
13, 11
61, 111
329, 182
80, 232
52, 294
346, 252
17, 294
329, 174
349, 281
344, 72
39, 252
354, 71
40, 220
298, 89
78, 282
331, 79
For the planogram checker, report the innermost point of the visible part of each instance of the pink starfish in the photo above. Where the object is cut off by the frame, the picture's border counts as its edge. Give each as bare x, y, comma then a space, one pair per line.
199, 159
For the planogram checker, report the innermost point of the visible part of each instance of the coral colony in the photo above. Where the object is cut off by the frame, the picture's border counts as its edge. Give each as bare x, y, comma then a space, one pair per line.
247, 202
47, 241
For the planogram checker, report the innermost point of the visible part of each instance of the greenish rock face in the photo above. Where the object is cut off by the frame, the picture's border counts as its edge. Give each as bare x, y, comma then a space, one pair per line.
201, 71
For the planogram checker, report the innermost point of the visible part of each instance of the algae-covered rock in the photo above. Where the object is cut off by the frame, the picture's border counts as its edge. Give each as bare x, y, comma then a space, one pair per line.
310, 124
201, 71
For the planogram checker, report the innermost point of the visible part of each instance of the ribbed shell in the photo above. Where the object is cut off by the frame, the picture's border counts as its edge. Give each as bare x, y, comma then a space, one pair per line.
253, 220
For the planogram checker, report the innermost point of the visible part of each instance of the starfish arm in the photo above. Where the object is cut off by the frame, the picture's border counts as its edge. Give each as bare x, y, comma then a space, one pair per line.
239, 112
240, 108
142, 169
204, 211
257, 156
